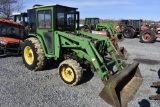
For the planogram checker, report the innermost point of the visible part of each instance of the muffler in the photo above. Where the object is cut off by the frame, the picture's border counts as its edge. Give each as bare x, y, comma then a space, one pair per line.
120, 88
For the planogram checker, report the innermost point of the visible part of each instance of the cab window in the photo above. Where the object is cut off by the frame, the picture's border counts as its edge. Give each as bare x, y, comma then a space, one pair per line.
44, 19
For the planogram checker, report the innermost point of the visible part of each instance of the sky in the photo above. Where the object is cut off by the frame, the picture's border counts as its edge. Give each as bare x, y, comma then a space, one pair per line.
108, 9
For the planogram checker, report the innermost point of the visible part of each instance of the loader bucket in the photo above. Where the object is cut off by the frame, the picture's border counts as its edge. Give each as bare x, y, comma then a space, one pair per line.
120, 88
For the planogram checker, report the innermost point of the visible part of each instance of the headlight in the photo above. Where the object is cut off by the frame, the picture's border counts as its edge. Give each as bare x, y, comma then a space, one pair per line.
2, 41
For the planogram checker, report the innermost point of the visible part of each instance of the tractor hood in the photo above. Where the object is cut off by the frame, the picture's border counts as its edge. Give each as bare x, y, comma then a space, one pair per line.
5, 40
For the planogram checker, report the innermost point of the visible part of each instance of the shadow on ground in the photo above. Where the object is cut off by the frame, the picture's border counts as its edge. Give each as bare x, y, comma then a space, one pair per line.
87, 75
52, 64
144, 103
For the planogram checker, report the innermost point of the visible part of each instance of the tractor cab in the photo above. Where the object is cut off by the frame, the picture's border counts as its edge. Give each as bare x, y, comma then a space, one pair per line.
91, 22
21, 18
136, 24
52, 18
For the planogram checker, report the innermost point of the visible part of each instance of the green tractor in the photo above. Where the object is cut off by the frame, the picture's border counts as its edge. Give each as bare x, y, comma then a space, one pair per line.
93, 25
53, 35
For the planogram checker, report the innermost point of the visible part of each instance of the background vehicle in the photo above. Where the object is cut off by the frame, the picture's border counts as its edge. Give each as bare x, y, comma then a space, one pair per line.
21, 18
53, 34
94, 26
131, 28
11, 36
151, 34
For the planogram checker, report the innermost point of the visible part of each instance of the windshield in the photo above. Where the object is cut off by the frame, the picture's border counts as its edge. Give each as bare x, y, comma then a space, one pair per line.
65, 18
11, 30
91, 21
124, 22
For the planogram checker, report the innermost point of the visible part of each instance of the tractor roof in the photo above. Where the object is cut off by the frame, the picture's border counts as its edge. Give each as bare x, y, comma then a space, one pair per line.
92, 18
52, 5
10, 22
18, 13
131, 19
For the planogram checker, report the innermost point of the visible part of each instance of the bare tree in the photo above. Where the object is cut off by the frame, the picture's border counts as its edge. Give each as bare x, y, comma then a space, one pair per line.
8, 6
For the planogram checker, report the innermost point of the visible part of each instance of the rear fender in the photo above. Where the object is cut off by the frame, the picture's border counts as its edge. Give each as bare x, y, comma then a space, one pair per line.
41, 41
143, 27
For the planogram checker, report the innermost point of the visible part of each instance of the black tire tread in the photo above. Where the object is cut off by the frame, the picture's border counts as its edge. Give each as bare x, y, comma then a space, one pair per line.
131, 30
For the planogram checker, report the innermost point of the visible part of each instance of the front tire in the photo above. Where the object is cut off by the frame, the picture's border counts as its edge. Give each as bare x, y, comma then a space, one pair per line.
33, 54
147, 36
70, 72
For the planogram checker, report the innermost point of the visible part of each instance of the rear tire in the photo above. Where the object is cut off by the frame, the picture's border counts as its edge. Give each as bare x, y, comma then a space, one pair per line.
33, 54
70, 71
147, 36
128, 32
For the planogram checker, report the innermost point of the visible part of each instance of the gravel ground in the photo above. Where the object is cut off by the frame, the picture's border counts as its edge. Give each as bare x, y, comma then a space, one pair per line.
23, 88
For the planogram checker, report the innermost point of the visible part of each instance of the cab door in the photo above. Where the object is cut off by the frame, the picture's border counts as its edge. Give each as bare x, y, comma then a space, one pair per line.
45, 27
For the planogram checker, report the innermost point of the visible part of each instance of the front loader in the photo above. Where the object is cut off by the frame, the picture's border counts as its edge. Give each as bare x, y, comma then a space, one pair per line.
53, 35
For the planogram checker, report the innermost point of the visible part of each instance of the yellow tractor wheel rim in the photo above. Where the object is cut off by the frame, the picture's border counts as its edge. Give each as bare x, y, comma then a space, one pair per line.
28, 55
67, 74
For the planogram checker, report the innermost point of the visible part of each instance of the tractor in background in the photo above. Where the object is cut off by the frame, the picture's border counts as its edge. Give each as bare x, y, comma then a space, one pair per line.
150, 34
53, 35
11, 37
93, 25
21, 18
132, 28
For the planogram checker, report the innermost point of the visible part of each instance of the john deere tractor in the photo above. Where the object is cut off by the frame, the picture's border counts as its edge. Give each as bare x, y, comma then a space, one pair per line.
53, 35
